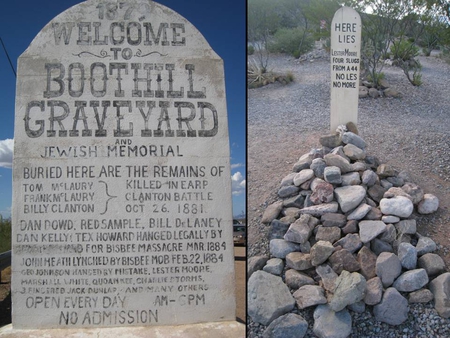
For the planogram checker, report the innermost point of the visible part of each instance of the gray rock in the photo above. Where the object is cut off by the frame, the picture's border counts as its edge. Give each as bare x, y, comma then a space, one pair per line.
303, 176
369, 178
331, 141
288, 191
432, 263
340, 151
349, 197
397, 206
351, 179
360, 212
428, 204
356, 140
354, 153
287, 326
411, 280
378, 246
363, 92
296, 279
407, 226
318, 166
338, 161
373, 215
368, 230
390, 219
272, 212
298, 261
323, 192
358, 307
330, 324
425, 245
291, 211
386, 184
320, 252
274, 266
288, 180
408, 255
332, 174
267, 297
305, 247
374, 291
279, 248
301, 229
385, 170
333, 220
396, 181
295, 201
395, 191
414, 191
350, 227
376, 192
374, 93
309, 295
359, 166
389, 235
441, 292
328, 277
343, 260
302, 164
367, 261
350, 288
330, 234
278, 229
255, 263
420, 296
393, 308
350, 242
321, 209
388, 268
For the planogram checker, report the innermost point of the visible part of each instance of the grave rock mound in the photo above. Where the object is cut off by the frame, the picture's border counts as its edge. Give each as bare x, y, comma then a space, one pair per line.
348, 225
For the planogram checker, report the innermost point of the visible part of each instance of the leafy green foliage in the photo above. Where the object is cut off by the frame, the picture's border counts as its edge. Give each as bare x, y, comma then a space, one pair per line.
5, 235
294, 41
404, 50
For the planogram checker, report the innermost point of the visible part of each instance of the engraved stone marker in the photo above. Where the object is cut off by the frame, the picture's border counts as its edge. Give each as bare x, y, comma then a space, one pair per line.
122, 193
345, 58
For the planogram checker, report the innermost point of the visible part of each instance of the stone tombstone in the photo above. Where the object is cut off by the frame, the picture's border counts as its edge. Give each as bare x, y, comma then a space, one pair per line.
122, 190
345, 60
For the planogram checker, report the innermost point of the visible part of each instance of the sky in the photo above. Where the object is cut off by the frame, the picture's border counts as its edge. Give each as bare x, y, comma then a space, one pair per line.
222, 23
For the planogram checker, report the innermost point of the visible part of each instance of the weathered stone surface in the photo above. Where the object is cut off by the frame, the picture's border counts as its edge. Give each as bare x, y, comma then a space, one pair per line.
385, 170
420, 296
330, 234
295, 201
350, 242
295, 212
374, 214
378, 246
323, 192
389, 235
333, 220
411, 280
432, 263
360, 212
278, 229
397, 206
368, 230
331, 324
298, 261
301, 229
343, 260
331, 141
340, 151
358, 307
351, 179
350, 288
255, 263
374, 93
367, 261
272, 212
390, 219
395, 191
352, 138
425, 245
279, 248
288, 191
407, 226
309, 295
320, 252
303, 176
328, 277
428, 204
349, 197
414, 191
363, 92
388, 268
354, 153
274, 266
287, 326
288, 180
303, 163
374, 291
396, 181
350, 227
338, 161
296, 279
393, 308
376, 192
369, 178
267, 297
441, 292
359, 166
407, 254
321, 209
332, 174
318, 166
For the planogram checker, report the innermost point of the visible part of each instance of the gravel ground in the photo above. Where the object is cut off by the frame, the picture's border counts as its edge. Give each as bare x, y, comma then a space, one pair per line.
411, 133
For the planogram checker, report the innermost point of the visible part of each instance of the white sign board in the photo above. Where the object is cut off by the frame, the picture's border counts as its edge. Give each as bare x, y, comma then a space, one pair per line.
345, 60
122, 192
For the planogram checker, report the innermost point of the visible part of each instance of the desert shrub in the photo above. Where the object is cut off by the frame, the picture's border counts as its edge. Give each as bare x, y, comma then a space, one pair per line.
293, 41
404, 50
250, 50
5, 235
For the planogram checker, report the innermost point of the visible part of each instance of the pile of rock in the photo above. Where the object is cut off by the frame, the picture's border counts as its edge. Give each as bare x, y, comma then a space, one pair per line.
368, 89
343, 237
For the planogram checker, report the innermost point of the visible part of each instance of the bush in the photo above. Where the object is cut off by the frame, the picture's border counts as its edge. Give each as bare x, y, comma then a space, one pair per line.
404, 50
250, 50
293, 41
5, 235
